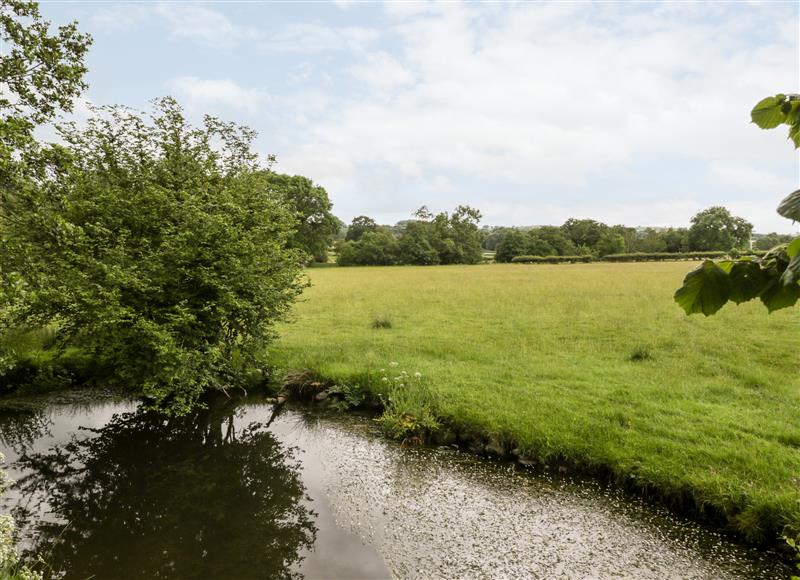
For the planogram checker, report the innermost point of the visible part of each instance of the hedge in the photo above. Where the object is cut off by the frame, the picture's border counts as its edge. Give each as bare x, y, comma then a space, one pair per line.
633, 257
550, 259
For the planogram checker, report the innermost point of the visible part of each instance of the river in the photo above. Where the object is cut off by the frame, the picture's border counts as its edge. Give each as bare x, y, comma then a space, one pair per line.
108, 491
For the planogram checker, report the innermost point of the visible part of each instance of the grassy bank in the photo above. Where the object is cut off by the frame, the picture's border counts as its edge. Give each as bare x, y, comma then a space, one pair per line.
592, 364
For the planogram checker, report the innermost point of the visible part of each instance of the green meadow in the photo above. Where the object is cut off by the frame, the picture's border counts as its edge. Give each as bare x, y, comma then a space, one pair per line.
589, 365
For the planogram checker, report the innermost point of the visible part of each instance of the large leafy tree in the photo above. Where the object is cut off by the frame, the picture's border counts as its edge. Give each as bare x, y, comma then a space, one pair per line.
316, 226
154, 246
773, 279
359, 226
716, 228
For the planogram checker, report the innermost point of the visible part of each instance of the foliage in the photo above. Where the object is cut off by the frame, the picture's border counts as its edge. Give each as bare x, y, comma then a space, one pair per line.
378, 248
551, 259
774, 279
316, 226
429, 239
513, 244
770, 240
661, 256
416, 247
41, 72
408, 406
359, 226
716, 229
160, 255
781, 109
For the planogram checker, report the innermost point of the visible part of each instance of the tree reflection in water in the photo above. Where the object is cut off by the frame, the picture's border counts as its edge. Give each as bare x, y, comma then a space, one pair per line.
151, 496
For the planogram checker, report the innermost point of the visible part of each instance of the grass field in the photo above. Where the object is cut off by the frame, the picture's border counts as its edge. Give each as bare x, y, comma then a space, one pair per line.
542, 355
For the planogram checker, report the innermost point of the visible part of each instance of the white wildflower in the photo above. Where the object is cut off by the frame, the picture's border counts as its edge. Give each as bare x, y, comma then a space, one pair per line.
393, 364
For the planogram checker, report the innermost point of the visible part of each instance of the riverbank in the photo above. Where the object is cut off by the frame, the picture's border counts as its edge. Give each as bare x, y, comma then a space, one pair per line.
589, 367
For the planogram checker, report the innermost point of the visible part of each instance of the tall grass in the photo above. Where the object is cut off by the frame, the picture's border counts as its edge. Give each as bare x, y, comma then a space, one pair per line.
552, 358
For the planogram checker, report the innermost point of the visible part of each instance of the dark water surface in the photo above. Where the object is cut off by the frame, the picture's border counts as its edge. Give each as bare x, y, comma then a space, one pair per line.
106, 491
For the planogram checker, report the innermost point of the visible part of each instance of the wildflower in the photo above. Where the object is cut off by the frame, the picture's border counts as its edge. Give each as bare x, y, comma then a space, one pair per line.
393, 364
418, 375
385, 378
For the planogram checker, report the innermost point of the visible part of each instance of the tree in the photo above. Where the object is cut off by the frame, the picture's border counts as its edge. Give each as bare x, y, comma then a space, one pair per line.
163, 257
41, 72
415, 245
770, 240
379, 248
773, 279
609, 243
584, 232
359, 226
514, 243
316, 226
716, 229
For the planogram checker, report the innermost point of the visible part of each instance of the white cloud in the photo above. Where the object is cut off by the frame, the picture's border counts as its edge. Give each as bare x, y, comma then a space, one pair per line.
566, 95
313, 38
381, 71
183, 20
747, 177
204, 93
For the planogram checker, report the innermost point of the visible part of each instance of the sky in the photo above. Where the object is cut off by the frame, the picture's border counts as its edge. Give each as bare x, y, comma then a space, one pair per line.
532, 112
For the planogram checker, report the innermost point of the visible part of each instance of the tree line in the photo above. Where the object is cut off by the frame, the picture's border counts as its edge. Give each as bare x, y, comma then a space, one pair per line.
456, 239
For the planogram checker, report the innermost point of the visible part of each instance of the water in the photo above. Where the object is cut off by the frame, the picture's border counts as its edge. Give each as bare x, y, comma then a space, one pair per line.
106, 491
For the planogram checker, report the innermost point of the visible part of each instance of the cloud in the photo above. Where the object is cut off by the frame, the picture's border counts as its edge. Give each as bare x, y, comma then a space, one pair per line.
190, 21
313, 38
750, 178
565, 96
205, 93
382, 71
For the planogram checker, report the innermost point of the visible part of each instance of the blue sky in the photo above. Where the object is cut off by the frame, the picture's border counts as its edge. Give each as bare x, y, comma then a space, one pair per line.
531, 112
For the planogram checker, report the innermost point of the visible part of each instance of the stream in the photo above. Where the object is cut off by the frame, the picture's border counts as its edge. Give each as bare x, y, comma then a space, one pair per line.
105, 490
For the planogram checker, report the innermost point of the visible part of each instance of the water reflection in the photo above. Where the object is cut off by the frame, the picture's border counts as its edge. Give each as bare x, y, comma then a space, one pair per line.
149, 496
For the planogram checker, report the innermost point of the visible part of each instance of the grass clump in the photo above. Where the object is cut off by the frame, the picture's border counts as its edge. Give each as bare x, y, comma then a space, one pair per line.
542, 355
641, 353
381, 321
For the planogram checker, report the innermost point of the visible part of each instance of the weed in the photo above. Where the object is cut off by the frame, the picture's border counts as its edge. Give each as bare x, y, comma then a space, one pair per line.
381, 321
641, 353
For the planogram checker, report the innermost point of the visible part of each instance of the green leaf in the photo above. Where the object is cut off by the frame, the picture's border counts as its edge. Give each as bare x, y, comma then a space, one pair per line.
791, 274
793, 248
778, 296
790, 206
747, 281
768, 112
794, 134
705, 289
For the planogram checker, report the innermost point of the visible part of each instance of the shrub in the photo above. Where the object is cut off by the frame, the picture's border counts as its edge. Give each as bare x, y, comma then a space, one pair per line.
164, 257
551, 259
662, 256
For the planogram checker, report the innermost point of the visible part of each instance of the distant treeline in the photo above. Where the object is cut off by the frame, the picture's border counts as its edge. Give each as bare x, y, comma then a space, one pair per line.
456, 239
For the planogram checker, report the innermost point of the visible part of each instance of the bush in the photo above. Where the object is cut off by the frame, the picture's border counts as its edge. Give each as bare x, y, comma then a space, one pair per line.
661, 256
551, 259
164, 257
378, 248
